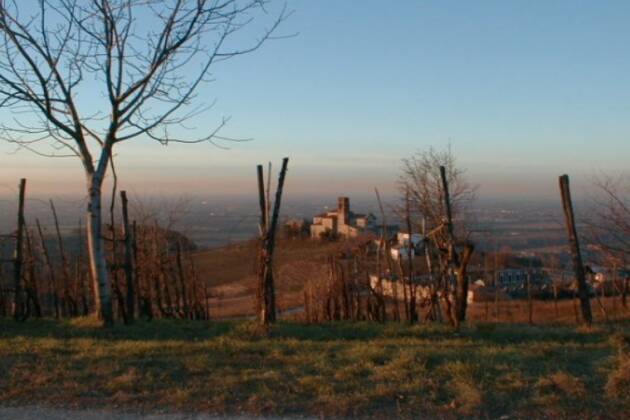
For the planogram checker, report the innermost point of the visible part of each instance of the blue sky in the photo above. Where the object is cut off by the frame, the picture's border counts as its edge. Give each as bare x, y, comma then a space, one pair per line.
522, 90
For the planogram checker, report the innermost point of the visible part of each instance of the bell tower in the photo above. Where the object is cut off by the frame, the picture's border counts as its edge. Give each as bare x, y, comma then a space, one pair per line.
343, 210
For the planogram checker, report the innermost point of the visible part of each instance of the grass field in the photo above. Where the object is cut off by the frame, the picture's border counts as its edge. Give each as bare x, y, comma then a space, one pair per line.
339, 369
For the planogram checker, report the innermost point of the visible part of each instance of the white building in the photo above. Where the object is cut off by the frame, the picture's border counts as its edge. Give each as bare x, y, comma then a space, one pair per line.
393, 287
342, 221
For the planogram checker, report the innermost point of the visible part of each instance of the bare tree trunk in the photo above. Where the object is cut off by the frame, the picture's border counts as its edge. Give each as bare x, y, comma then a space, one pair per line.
96, 253
461, 293
18, 261
585, 304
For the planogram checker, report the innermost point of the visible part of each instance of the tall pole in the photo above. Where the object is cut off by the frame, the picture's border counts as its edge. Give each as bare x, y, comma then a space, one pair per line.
266, 291
129, 260
461, 289
18, 260
576, 255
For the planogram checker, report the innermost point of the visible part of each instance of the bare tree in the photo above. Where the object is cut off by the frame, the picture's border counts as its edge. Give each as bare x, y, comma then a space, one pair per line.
145, 58
611, 218
420, 176
437, 197
610, 226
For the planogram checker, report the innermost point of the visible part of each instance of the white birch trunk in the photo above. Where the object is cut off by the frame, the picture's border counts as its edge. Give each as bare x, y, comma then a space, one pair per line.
96, 252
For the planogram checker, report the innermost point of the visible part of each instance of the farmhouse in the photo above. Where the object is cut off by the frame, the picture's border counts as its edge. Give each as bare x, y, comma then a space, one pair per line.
342, 222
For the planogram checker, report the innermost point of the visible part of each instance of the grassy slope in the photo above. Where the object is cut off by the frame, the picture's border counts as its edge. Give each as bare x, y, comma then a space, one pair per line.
336, 369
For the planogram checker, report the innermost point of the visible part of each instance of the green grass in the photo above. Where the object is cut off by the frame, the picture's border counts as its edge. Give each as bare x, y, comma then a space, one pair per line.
339, 369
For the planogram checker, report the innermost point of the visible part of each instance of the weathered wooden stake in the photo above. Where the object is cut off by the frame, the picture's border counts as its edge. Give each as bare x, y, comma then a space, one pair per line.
461, 288
624, 292
32, 291
266, 292
50, 269
530, 303
65, 270
412, 312
555, 300
583, 294
18, 260
383, 246
130, 269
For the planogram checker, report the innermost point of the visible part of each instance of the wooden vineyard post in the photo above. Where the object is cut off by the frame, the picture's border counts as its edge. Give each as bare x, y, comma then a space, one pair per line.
268, 227
530, 303
412, 312
66, 305
452, 254
18, 260
31, 289
130, 270
555, 300
461, 288
624, 292
496, 283
583, 294
384, 251
51, 271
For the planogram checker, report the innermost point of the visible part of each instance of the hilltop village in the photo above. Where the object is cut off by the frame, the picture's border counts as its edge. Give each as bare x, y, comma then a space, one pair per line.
486, 283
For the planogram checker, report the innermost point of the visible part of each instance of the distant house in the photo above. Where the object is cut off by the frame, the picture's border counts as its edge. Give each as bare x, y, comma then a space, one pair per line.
342, 222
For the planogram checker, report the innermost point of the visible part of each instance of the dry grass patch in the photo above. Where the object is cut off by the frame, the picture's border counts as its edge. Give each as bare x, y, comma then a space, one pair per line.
338, 369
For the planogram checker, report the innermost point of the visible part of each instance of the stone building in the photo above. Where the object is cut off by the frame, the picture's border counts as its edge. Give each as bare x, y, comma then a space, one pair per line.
342, 221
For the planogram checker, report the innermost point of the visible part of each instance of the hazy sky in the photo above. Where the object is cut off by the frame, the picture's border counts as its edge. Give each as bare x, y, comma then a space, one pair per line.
522, 90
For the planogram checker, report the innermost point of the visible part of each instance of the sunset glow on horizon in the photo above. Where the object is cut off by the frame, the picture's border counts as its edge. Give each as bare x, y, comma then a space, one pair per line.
521, 93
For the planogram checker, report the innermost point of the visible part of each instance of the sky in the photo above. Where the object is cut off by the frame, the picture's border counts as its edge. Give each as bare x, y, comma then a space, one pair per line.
523, 91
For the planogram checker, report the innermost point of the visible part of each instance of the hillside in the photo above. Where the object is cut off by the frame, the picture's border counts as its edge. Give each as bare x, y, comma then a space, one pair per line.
231, 273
